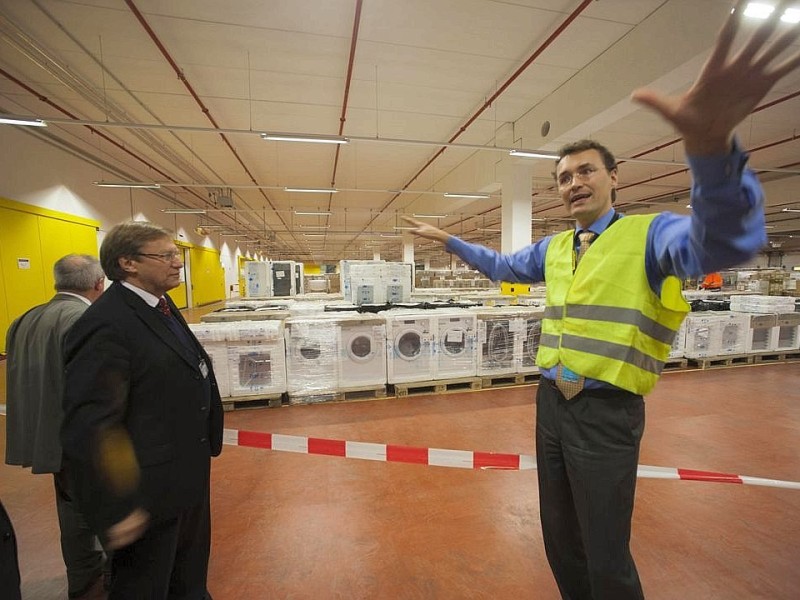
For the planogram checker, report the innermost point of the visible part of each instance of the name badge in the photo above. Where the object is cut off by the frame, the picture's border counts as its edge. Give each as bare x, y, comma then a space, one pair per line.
203, 368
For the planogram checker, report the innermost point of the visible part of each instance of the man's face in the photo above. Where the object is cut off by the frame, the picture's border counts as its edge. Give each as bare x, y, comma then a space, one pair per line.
585, 185
156, 267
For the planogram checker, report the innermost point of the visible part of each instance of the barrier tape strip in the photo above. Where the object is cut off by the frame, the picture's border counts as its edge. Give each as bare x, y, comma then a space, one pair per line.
460, 459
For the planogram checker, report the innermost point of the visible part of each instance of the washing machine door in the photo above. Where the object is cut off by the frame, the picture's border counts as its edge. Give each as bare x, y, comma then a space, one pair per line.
453, 342
534, 335
408, 344
360, 348
307, 349
499, 343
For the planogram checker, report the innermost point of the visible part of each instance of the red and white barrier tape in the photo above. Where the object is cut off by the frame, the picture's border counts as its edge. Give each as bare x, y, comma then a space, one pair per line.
462, 459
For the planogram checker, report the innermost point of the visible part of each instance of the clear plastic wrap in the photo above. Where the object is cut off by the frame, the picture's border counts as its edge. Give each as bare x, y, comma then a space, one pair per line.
409, 341
454, 345
312, 353
498, 330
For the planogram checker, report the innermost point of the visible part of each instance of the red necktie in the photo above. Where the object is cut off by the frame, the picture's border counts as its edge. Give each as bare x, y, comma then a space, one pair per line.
164, 307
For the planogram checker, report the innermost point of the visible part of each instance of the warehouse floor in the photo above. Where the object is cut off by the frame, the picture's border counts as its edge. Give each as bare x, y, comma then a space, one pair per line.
289, 525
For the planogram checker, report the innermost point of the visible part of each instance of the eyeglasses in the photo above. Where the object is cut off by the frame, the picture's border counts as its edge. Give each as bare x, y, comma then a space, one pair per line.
584, 172
167, 257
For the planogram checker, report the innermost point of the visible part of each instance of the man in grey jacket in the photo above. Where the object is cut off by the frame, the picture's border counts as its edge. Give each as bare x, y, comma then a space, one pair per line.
35, 385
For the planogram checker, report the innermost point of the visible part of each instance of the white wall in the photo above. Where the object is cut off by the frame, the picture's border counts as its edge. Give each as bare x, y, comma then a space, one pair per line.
36, 173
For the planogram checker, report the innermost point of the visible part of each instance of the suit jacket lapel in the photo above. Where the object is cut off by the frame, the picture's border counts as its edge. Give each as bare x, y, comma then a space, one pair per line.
153, 321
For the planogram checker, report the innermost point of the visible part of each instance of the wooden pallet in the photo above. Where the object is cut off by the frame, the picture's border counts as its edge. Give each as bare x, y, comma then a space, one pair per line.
676, 364
778, 356
713, 362
438, 386
351, 394
245, 402
508, 379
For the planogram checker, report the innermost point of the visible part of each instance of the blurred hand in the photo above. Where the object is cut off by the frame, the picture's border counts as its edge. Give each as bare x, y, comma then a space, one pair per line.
728, 88
427, 230
127, 531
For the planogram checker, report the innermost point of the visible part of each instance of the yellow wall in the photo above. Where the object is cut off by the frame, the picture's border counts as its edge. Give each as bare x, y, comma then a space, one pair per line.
207, 276
241, 260
309, 269
35, 238
179, 295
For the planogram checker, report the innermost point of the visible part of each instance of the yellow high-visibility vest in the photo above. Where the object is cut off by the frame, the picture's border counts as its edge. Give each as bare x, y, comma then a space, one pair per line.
603, 321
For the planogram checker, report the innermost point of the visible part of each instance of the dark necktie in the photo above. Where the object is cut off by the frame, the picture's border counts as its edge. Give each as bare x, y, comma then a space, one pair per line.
172, 323
163, 307
570, 384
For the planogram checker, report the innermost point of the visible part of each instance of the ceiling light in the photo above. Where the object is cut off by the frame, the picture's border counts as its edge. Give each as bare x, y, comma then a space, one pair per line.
322, 212
531, 154
769, 226
228, 234
303, 137
314, 234
390, 235
311, 190
184, 211
758, 10
16, 120
688, 206
488, 230
430, 216
315, 226
401, 228
797, 210
128, 184
473, 196
791, 15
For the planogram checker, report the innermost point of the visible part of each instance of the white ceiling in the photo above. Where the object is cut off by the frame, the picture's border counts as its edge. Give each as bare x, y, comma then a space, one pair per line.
415, 105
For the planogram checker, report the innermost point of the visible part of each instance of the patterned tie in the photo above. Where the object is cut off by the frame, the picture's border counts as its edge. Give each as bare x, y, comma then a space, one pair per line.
570, 384
163, 307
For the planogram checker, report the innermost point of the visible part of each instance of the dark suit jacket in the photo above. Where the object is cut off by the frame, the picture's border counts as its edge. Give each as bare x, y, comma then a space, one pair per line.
140, 420
35, 375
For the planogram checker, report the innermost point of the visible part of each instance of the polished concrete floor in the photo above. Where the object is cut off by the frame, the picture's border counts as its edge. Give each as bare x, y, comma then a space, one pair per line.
297, 526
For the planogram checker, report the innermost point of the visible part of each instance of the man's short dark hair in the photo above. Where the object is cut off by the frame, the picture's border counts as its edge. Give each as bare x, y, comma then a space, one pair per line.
76, 273
609, 161
126, 240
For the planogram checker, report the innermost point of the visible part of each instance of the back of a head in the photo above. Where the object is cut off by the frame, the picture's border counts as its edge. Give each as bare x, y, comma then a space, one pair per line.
76, 273
125, 240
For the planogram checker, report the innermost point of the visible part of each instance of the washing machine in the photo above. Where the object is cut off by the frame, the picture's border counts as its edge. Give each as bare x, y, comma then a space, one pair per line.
256, 358
283, 278
454, 347
258, 279
409, 342
362, 350
497, 335
312, 354
529, 334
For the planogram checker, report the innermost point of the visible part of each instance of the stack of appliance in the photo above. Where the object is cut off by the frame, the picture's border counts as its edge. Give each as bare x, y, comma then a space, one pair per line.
362, 350
774, 325
258, 279
284, 281
376, 282
312, 356
214, 339
716, 333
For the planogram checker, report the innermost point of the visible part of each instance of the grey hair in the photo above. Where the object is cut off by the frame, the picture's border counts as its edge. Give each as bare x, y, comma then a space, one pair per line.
77, 273
126, 240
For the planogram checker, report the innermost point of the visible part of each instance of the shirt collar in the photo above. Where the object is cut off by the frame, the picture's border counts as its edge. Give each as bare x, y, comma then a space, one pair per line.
84, 298
151, 300
600, 225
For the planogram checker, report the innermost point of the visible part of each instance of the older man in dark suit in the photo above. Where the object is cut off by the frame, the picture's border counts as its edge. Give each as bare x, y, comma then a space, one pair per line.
142, 420
35, 386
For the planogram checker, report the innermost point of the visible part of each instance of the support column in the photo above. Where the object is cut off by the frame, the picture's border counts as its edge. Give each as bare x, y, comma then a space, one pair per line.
453, 262
517, 179
427, 263
376, 255
408, 248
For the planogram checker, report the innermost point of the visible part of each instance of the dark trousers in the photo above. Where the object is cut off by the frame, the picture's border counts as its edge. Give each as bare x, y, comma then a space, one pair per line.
587, 450
9, 560
170, 561
79, 546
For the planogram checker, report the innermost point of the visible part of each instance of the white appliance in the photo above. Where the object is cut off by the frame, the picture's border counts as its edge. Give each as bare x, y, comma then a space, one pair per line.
345, 266
788, 335
528, 335
258, 280
454, 348
214, 339
299, 273
362, 351
497, 334
283, 278
312, 354
409, 342
256, 358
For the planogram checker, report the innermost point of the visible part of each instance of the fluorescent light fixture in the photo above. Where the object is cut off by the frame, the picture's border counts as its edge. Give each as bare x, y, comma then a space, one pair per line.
128, 184
184, 211
488, 230
230, 234
538, 220
472, 196
531, 154
311, 190
758, 10
305, 137
315, 226
791, 15
314, 234
401, 228
688, 206
797, 210
390, 235
312, 213
430, 216
769, 226
17, 120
